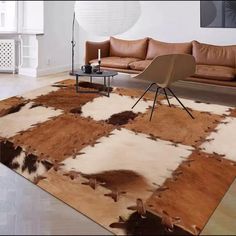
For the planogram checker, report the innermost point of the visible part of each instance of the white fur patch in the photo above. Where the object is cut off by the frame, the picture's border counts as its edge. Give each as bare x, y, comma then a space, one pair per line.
223, 141
38, 92
124, 150
212, 108
25, 118
103, 108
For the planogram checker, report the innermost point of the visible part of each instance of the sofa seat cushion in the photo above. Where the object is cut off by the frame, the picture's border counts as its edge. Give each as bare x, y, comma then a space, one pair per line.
206, 54
158, 48
139, 65
128, 48
215, 72
115, 62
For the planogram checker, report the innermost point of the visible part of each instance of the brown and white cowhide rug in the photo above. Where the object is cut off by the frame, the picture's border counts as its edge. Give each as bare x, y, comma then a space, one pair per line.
95, 153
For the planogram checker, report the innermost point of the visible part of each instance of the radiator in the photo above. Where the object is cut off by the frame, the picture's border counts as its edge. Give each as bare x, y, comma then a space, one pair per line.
7, 55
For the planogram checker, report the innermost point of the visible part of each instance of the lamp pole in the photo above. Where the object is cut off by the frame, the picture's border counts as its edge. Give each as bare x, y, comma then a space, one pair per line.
73, 43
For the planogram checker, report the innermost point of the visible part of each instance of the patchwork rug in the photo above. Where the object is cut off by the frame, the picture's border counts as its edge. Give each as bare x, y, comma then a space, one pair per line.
106, 160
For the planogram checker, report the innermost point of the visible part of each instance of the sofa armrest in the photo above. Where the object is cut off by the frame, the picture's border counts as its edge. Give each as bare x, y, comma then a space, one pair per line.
91, 50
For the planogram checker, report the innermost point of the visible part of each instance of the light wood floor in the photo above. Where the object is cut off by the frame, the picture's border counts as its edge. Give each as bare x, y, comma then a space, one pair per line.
28, 210
223, 219
25, 209
11, 85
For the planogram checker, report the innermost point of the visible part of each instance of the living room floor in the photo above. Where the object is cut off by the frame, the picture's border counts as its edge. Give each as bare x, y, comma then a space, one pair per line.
11, 85
25, 209
73, 222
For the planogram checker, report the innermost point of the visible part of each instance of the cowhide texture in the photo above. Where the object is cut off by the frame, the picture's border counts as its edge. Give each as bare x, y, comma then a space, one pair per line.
109, 162
26, 164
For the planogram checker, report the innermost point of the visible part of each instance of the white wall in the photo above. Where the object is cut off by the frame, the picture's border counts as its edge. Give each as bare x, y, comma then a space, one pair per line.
54, 45
171, 21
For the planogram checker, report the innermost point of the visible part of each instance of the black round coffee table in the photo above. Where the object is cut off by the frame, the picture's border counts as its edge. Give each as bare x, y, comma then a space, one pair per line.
107, 75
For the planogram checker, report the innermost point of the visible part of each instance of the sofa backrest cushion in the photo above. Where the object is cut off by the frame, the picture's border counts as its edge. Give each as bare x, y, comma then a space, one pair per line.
128, 48
158, 48
208, 54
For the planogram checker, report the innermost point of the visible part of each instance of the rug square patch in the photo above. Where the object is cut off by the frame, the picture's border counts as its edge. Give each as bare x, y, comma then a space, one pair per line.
222, 141
66, 98
102, 108
61, 137
24, 118
134, 154
174, 124
200, 106
197, 187
92, 202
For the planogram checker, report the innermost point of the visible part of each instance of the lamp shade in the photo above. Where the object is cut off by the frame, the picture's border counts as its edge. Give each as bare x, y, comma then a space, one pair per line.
106, 18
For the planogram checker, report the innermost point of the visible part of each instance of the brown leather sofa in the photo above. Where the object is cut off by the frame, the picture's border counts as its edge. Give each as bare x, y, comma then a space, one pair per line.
215, 64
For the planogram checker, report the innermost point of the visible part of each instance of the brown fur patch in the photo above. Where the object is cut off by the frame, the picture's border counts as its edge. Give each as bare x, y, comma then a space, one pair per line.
15, 109
60, 85
11, 105
35, 105
174, 124
121, 118
136, 93
30, 163
76, 110
85, 199
48, 165
195, 190
57, 139
148, 225
233, 112
95, 86
120, 180
8, 152
65, 99
66, 82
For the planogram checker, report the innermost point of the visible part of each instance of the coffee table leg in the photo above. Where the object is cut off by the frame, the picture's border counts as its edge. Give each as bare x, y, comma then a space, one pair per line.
91, 79
77, 84
108, 87
104, 84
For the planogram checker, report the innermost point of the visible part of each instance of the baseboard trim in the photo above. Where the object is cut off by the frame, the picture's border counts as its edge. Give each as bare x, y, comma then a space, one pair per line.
31, 72
55, 69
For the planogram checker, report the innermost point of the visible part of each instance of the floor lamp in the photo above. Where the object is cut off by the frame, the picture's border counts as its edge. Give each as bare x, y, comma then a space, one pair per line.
73, 43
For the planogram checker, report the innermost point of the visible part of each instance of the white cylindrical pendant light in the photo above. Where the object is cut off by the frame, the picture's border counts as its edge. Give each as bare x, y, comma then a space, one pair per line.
107, 18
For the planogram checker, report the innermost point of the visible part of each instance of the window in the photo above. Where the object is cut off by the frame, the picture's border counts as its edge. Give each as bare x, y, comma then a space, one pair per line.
21, 17
8, 16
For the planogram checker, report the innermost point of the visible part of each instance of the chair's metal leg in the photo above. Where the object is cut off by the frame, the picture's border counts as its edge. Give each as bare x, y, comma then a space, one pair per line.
167, 97
143, 94
154, 102
181, 103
